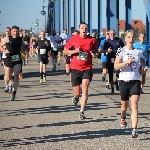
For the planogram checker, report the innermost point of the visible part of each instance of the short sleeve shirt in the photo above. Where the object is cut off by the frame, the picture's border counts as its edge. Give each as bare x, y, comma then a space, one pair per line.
82, 60
130, 71
144, 47
113, 44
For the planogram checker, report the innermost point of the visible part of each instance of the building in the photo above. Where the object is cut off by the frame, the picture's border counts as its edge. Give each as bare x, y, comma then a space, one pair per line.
69, 13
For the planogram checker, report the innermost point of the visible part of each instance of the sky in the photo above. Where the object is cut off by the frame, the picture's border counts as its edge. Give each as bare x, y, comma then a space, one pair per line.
23, 13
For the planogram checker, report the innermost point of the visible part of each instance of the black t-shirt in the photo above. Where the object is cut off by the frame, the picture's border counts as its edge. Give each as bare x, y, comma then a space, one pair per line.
113, 44
43, 49
14, 45
25, 41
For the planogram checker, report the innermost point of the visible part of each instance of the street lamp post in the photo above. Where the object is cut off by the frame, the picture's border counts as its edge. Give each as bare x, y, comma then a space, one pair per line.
43, 12
31, 29
37, 23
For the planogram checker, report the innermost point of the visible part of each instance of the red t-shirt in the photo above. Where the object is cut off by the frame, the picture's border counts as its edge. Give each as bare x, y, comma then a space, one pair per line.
82, 60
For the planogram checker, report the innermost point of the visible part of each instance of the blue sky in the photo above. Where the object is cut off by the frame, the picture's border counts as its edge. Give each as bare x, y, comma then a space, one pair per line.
24, 13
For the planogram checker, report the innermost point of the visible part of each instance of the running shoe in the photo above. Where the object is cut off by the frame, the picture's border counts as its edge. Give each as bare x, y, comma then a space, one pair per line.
107, 86
41, 80
81, 116
12, 98
6, 89
134, 133
10, 88
20, 76
54, 68
103, 78
123, 123
112, 90
44, 79
75, 100
141, 91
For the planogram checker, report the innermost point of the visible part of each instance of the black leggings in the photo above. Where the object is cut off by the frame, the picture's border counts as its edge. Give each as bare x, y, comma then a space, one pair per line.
110, 71
21, 69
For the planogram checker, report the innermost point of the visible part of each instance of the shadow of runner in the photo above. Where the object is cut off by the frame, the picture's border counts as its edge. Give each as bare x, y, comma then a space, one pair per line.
57, 109
58, 124
66, 137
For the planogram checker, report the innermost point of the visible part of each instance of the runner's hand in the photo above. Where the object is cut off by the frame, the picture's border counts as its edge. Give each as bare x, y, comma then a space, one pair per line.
46, 43
93, 55
109, 50
76, 50
142, 71
130, 60
6, 53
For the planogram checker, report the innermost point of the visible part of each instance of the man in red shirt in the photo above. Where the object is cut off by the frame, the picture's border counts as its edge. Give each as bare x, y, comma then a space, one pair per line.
81, 47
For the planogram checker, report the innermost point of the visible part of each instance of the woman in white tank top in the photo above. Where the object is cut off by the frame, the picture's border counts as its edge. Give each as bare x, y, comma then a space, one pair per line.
129, 61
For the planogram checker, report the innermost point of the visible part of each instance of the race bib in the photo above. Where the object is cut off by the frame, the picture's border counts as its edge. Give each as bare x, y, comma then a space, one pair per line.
33, 43
54, 49
112, 60
15, 58
42, 51
83, 56
26, 42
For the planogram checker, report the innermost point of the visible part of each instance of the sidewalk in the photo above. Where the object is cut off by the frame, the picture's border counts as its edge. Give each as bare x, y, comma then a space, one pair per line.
43, 117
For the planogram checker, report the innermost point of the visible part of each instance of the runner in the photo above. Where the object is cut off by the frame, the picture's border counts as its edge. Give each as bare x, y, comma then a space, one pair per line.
33, 41
110, 46
1, 53
64, 37
81, 64
104, 60
43, 53
142, 45
59, 50
128, 60
13, 59
7, 74
68, 57
54, 39
25, 47
47, 36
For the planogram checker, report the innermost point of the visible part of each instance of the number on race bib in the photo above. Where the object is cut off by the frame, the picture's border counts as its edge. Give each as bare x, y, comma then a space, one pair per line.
33, 43
83, 56
42, 51
15, 58
54, 49
112, 60
26, 42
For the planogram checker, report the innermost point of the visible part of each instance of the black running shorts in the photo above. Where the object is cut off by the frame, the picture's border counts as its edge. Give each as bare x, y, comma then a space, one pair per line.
127, 89
43, 59
77, 76
104, 65
8, 62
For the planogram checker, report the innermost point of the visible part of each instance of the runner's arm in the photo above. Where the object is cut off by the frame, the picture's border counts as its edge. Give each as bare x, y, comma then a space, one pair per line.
142, 62
3, 42
68, 50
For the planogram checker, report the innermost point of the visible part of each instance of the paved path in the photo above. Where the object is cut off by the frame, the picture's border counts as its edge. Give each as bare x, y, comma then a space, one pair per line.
43, 117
